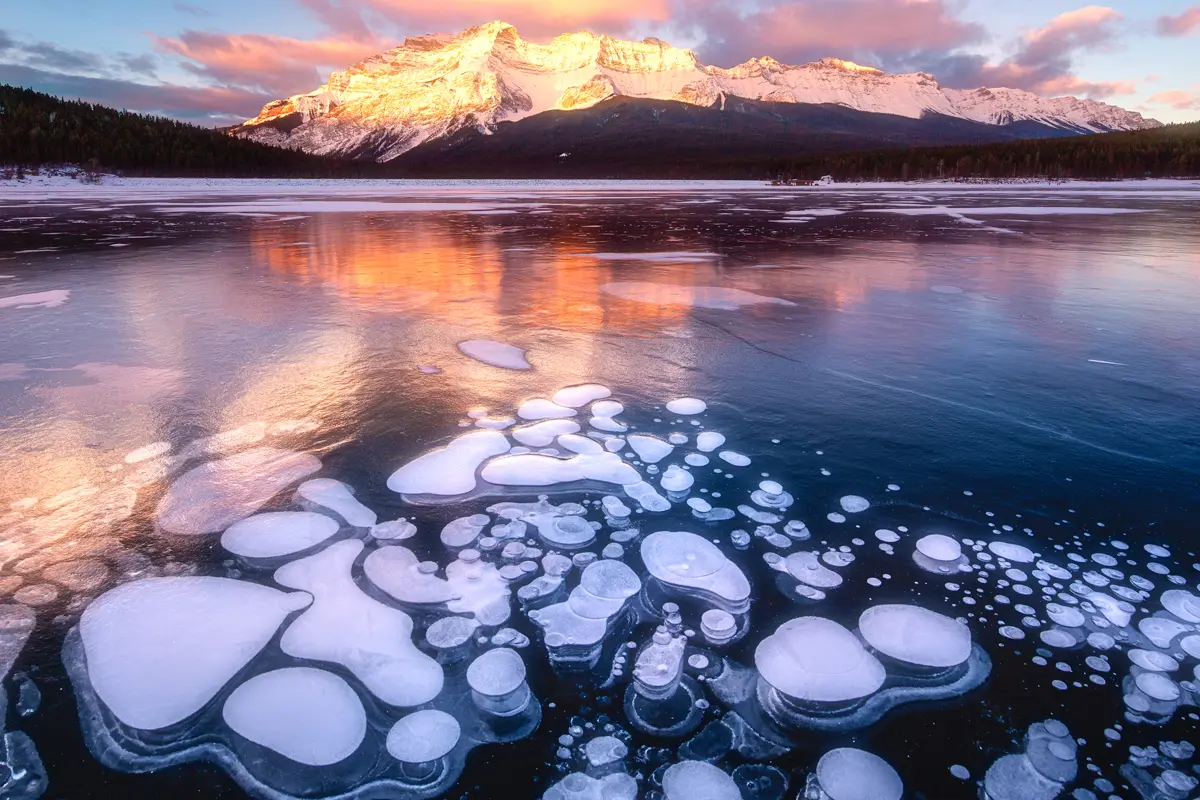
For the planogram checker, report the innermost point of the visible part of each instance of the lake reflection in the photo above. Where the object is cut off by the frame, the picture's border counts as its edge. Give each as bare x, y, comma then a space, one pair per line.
1021, 377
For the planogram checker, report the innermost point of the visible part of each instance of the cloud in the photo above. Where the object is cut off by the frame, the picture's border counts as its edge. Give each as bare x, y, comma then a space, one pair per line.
6, 41
1044, 57
274, 65
1177, 99
1184, 24
538, 18
213, 105
878, 32
188, 8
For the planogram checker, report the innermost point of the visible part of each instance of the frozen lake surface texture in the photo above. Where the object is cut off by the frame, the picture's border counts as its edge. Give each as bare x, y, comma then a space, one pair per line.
599, 491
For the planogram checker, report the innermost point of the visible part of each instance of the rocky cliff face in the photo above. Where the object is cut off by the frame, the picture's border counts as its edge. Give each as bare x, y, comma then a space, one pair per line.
433, 86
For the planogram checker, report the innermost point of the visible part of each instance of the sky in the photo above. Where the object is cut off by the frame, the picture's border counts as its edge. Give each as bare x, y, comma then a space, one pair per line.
215, 62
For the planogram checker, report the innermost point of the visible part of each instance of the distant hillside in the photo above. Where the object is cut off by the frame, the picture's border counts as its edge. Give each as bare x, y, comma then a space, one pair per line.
38, 129
1172, 151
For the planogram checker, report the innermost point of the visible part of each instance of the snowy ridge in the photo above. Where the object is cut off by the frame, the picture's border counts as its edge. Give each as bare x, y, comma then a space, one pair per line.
432, 86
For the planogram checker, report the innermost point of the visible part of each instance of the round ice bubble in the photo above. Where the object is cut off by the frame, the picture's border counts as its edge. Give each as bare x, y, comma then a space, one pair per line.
579, 396
698, 780
816, 659
1013, 552
497, 672
687, 406
676, 479
850, 774
853, 504
277, 533
939, 547
423, 736
916, 635
708, 441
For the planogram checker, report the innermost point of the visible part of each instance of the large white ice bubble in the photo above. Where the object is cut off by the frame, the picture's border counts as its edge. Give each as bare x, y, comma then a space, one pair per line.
336, 497
916, 635
158, 650
496, 354
450, 470
687, 406
540, 408
496, 673
815, 659
939, 547
211, 497
397, 571
650, 449
1018, 554
580, 396
531, 469
277, 533
698, 780
344, 626
423, 736
850, 774
690, 562
708, 441
543, 434
308, 715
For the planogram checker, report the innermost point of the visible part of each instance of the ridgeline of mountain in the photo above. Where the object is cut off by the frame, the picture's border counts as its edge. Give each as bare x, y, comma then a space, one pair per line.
38, 129
434, 87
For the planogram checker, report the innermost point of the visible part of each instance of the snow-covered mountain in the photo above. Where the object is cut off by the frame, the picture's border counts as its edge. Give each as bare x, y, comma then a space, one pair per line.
433, 86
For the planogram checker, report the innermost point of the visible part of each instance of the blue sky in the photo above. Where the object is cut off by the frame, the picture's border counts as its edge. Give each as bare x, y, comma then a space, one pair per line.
217, 61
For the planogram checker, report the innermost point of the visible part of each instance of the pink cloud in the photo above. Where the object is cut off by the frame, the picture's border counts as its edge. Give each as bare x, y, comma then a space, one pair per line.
1177, 99
274, 64
1184, 24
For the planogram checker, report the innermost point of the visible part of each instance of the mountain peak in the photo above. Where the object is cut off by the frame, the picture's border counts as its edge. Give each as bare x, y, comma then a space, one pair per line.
435, 85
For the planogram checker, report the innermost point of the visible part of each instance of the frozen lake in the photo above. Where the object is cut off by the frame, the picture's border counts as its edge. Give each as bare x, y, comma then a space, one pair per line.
852, 493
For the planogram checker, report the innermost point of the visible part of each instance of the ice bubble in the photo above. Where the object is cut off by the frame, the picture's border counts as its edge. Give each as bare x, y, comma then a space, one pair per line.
541, 470
151, 677
771, 487
496, 354
915, 635
1157, 686
850, 774
605, 750
606, 409
423, 736
450, 632
463, 531
277, 533
540, 408
397, 571
580, 396
696, 460
1161, 631
1013, 552
676, 479
853, 504
698, 780
607, 424
1066, 616
807, 568
1191, 645
542, 434
1056, 637
579, 786
613, 507
308, 715
497, 672
336, 497
689, 562
687, 406
736, 459
213, 496
579, 444
699, 505
396, 530
1182, 604
650, 449
708, 441
939, 547
451, 469
718, 626
645, 496
344, 626
1158, 551
884, 535
816, 659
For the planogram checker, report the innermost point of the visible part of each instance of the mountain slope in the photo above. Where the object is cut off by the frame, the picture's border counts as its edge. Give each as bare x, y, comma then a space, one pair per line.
432, 87
626, 137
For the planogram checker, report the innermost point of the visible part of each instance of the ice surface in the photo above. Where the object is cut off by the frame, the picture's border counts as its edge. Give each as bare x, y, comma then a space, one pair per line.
708, 441
277, 533
665, 294
308, 715
816, 659
687, 406
1006, 211
344, 626
916, 635
16, 625
423, 736
450, 470
147, 673
542, 434
540, 408
580, 396
698, 780
850, 774
496, 673
147, 452
213, 496
539, 470
336, 497
496, 354
650, 449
